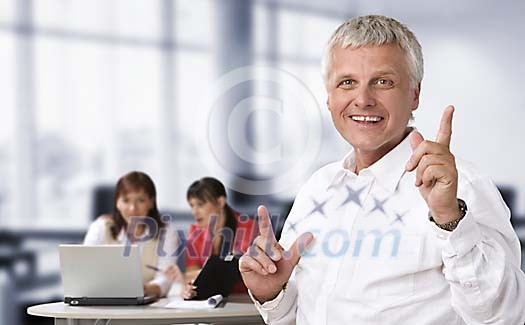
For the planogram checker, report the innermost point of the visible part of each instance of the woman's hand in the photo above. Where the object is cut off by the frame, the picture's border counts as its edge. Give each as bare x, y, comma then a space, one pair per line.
151, 290
189, 291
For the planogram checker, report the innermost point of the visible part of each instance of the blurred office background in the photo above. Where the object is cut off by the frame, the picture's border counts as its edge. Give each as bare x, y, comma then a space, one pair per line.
91, 89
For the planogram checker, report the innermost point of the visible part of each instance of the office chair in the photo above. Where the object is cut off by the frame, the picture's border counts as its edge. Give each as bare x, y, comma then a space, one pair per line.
103, 197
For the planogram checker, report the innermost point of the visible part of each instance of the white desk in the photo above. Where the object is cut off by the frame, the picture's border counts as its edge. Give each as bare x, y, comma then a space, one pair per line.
237, 310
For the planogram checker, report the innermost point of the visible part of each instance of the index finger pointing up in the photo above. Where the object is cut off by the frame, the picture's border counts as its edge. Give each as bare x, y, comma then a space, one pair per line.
445, 127
265, 225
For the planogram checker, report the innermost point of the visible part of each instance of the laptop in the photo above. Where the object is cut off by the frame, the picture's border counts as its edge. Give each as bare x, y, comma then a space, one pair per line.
218, 276
102, 275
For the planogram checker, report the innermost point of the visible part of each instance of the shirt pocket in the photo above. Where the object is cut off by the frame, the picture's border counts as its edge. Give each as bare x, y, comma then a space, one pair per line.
384, 269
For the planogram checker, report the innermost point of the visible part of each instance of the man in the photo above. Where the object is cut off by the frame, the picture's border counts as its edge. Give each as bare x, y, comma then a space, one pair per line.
399, 231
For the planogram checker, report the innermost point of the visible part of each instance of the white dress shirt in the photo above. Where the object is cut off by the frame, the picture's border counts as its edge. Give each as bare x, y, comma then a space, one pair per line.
377, 259
99, 234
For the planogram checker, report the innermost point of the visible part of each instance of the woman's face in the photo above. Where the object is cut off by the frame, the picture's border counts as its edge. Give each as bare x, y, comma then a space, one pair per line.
203, 210
134, 204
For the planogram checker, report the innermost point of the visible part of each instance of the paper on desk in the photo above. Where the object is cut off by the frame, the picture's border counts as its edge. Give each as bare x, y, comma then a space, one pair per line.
211, 302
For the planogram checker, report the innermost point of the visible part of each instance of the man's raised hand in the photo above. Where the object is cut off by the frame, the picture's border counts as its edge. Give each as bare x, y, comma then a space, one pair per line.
436, 173
266, 267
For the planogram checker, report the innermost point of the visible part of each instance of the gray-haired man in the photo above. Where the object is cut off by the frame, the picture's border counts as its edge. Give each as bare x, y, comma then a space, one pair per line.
398, 231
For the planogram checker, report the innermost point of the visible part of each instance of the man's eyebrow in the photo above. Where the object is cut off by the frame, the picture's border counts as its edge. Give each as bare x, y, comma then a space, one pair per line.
345, 76
385, 72
381, 72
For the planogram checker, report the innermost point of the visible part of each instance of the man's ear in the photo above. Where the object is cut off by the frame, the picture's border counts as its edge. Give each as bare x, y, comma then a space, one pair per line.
417, 91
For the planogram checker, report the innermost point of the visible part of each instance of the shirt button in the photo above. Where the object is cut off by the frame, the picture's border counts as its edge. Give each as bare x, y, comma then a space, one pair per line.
440, 236
467, 285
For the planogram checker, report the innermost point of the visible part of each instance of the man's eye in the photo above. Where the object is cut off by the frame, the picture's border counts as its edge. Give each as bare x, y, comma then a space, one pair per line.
384, 82
348, 82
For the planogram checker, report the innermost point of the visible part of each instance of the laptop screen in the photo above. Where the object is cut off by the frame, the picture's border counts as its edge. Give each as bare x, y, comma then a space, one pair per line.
101, 271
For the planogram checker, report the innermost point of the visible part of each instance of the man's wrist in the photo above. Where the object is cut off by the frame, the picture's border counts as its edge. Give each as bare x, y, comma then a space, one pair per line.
441, 218
447, 222
269, 297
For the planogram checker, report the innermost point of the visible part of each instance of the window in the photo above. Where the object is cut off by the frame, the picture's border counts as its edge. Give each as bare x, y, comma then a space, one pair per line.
96, 114
7, 11
104, 83
7, 102
136, 19
194, 22
195, 75
304, 35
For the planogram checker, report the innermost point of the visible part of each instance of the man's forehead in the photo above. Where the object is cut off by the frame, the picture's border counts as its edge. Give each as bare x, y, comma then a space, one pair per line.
389, 51
388, 58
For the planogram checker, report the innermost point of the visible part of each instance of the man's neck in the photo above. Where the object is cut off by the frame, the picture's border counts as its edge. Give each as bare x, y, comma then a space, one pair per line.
365, 159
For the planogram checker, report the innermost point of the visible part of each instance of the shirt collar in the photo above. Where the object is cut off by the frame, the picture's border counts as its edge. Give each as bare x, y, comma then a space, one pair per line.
123, 237
346, 167
387, 171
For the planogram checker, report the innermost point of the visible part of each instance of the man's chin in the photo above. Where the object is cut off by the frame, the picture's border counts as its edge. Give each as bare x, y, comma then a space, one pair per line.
364, 144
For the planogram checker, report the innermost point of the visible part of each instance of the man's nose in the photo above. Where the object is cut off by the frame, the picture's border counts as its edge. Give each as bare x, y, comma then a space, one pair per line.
364, 98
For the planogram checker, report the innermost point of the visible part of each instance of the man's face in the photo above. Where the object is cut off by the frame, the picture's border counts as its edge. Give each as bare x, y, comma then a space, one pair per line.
370, 97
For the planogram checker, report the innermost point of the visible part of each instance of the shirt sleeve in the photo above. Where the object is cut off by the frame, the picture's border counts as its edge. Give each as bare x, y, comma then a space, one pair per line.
482, 259
168, 257
96, 232
283, 308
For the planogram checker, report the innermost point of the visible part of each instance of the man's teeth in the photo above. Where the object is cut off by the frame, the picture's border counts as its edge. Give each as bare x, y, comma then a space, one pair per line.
366, 118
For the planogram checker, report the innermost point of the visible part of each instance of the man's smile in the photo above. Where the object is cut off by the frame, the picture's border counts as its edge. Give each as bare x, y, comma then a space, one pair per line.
366, 118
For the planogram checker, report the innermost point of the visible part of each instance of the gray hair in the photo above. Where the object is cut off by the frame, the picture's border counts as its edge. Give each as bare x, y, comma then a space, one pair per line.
376, 30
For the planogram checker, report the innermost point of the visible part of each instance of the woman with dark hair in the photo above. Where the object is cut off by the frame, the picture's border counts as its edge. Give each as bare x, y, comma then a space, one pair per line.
135, 201
218, 229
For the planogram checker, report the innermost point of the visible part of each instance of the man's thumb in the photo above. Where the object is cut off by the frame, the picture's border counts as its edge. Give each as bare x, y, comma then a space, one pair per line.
298, 247
415, 139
